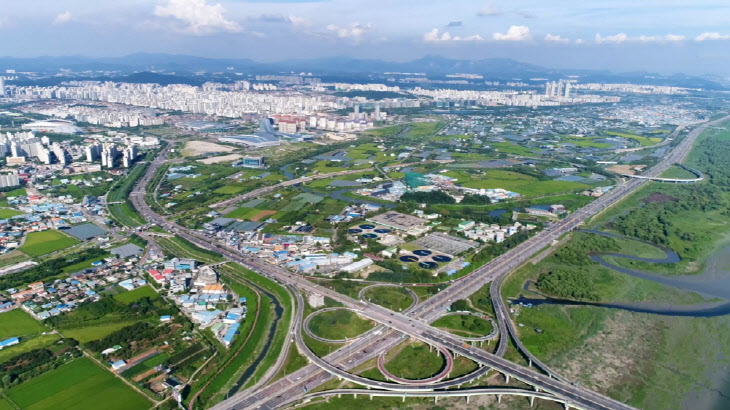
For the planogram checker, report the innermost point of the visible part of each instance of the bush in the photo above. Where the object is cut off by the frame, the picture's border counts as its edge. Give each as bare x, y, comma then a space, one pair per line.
567, 283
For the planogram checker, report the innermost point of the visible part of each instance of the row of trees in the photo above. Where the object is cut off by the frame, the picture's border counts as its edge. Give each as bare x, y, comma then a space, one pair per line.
48, 269
30, 364
107, 309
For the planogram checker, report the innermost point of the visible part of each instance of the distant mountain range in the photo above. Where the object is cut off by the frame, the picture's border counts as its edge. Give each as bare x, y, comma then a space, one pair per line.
184, 66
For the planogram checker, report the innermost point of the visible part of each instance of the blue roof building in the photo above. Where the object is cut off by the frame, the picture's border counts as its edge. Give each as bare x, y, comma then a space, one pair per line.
230, 334
9, 342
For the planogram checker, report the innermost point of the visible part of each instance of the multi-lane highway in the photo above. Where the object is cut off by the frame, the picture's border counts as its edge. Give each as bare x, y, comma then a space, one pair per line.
415, 323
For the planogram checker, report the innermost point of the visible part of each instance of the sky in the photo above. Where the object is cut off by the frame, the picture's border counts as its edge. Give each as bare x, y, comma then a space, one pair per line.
664, 36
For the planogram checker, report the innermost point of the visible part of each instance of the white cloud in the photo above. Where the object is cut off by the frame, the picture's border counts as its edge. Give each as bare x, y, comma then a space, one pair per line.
356, 30
433, 36
62, 18
674, 37
550, 38
489, 11
579, 41
298, 21
198, 16
514, 33
712, 36
669, 38
623, 38
614, 39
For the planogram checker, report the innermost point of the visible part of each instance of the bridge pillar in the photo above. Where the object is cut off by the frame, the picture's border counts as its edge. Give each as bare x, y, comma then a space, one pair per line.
530, 363
339, 395
499, 398
435, 399
404, 398
532, 400
371, 397
506, 378
567, 406
467, 399
355, 395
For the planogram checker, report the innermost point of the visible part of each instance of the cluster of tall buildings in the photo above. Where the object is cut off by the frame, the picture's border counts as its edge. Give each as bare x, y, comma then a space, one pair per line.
636, 88
210, 100
516, 98
109, 153
9, 180
558, 89
109, 115
339, 123
23, 145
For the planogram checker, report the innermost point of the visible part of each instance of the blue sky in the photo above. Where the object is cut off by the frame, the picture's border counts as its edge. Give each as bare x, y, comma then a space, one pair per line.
620, 35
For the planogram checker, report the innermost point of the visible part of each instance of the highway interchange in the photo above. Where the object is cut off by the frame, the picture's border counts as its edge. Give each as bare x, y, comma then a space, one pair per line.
414, 322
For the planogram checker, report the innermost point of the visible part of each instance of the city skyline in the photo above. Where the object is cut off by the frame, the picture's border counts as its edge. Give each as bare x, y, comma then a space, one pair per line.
602, 35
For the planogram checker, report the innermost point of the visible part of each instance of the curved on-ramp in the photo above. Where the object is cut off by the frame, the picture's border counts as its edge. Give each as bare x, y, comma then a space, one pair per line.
697, 173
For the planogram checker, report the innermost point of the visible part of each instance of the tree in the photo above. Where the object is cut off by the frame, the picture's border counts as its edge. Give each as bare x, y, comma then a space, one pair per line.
459, 305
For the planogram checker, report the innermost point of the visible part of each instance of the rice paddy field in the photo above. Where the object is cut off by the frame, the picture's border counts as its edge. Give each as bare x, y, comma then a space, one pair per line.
78, 385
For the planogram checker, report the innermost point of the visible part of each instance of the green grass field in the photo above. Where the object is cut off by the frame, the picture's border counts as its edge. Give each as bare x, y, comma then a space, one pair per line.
82, 265
243, 213
7, 213
415, 362
464, 325
339, 324
643, 141
12, 258
41, 243
677, 172
146, 365
18, 323
524, 185
136, 294
89, 333
16, 192
510, 148
393, 298
585, 142
78, 385
26, 345
229, 189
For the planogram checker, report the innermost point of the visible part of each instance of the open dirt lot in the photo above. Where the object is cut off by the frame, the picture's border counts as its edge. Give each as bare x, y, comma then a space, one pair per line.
193, 148
626, 169
261, 215
222, 158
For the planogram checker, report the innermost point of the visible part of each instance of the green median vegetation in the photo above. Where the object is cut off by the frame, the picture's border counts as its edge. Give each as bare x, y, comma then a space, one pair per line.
339, 324
396, 299
415, 361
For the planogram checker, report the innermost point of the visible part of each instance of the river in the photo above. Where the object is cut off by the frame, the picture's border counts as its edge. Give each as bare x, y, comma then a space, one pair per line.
712, 388
278, 313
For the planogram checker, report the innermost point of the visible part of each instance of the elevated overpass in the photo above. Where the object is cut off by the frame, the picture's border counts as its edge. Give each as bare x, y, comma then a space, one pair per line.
698, 174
